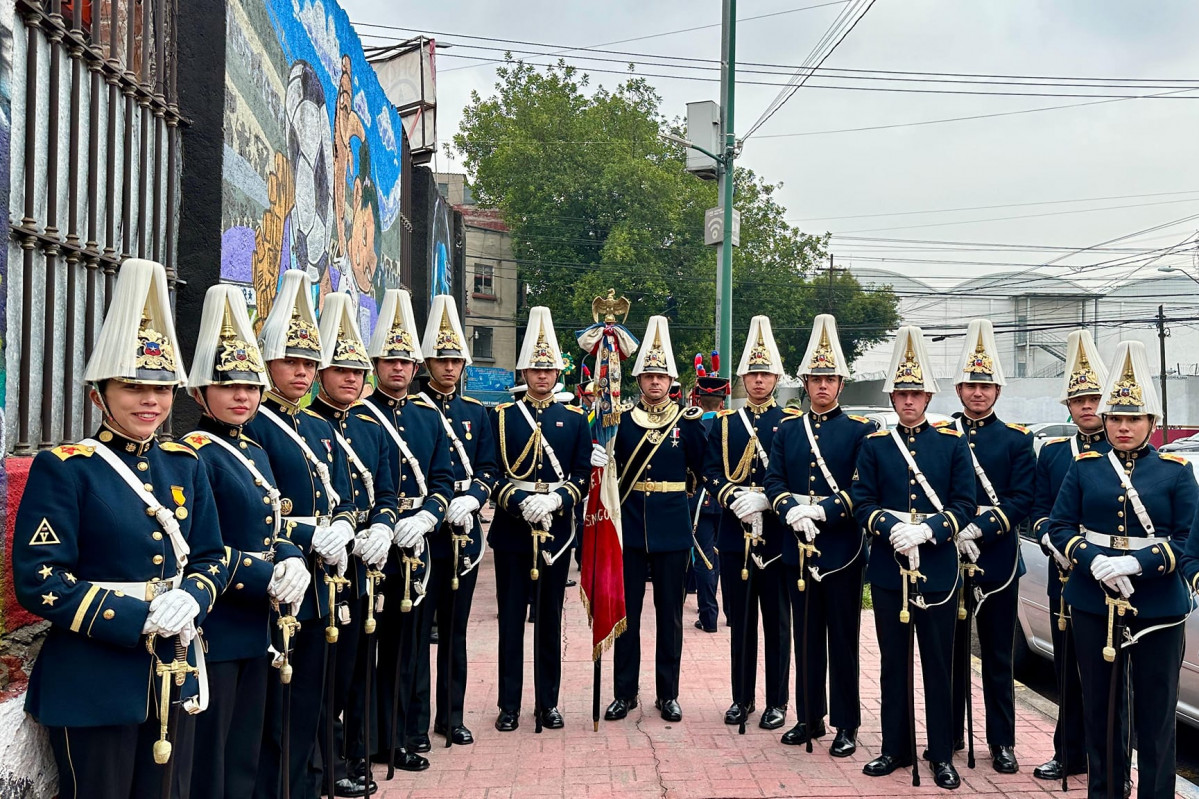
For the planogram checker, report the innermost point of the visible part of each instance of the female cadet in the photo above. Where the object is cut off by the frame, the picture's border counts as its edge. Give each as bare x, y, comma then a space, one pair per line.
1123, 518
227, 379
117, 545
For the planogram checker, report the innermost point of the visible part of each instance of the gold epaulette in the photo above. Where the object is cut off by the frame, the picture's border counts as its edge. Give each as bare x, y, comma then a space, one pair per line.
366, 417
857, 418
171, 446
311, 412
1082, 455
248, 440
196, 441
793, 411
693, 413
1019, 427
70, 450
1170, 456
726, 412
575, 408
418, 400
878, 434
941, 424
503, 405
470, 399
1055, 441
949, 431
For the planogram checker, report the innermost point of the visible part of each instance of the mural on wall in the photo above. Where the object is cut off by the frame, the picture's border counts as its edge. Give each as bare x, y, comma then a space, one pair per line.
441, 266
312, 160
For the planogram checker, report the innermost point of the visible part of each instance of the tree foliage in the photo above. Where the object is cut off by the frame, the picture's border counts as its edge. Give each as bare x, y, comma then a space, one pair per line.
595, 198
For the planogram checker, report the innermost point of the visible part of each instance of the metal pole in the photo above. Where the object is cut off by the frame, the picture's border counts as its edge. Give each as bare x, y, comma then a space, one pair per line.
1161, 341
724, 283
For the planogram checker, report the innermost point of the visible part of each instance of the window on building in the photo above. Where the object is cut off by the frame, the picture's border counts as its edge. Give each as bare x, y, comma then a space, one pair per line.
484, 280
482, 344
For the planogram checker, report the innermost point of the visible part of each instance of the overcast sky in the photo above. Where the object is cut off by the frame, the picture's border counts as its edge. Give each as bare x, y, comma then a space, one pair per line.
1135, 147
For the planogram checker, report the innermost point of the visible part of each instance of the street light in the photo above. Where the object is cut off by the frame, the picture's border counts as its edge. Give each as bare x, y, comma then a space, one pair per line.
1172, 269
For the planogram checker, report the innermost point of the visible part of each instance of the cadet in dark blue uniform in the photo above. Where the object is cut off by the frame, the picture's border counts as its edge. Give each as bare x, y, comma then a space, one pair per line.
360, 437
659, 450
737, 458
318, 516
420, 462
915, 491
227, 380
1123, 520
117, 539
457, 548
709, 392
1082, 386
812, 464
543, 452
1005, 472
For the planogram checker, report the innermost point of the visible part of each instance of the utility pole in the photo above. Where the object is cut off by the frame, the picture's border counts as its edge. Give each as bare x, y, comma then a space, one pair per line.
830, 282
724, 266
1161, 340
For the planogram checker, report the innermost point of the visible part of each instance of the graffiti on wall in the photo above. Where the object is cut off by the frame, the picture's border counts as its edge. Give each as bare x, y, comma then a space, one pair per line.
312, 160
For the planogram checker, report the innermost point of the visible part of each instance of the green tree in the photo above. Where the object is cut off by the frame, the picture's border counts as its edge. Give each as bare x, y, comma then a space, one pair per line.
595, 198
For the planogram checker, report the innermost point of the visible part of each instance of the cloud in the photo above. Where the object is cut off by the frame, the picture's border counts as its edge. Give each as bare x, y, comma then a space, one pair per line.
322, 31
386, 132
363, 108
389, 204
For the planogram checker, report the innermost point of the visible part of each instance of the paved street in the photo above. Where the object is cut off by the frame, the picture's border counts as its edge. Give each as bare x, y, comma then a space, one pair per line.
644, 756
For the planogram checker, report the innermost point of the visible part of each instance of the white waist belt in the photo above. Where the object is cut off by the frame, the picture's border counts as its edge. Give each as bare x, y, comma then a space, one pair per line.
1118, 541
985, 509
539, 487
410, 503
316, 521
808, 499
461, 486
146, 590
907, 515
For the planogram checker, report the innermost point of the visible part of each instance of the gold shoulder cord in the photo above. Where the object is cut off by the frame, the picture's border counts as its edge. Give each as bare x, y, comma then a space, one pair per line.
534, 439
745, 465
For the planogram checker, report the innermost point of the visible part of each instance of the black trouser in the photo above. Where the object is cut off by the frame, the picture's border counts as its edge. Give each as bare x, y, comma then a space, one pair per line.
995, 624
453, 615
666, 574
117, 762
229, 732
834, 628
1150, 668
512, 587
1069, 742
705, 578
307, 691
934, 630
398, 647
347, 701
425, 614
768, 593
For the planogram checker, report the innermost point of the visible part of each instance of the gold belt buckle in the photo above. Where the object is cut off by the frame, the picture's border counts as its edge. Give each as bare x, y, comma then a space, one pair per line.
1120, 542
155, 588
651, 486
405, 503
541, 488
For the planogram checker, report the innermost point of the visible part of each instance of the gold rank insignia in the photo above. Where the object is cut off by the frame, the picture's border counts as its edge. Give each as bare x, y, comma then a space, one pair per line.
44, 534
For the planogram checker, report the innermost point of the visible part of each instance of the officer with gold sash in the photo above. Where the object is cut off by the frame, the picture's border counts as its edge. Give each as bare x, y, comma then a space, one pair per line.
1005, 473
341, 380
117, 544
1123, 519
419, 456
659, 451
1082, 387
543, 447
915, 491
227, 381
812, 463
318, 516
750, 535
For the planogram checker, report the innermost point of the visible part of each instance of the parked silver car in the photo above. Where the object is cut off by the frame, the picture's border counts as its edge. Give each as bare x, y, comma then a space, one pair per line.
1033, 634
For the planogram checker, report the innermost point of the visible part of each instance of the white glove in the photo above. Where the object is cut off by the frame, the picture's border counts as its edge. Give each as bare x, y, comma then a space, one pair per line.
170, 612
1062, 562
1105, 568
967, 547
289, 581
537, 508
419, 547
795, 514
748, 503
425, 522
460, 510
907, 536
913, 557
808, 528
970, 533
371, 545
407, 532
599, 456
1121, 584
330, 542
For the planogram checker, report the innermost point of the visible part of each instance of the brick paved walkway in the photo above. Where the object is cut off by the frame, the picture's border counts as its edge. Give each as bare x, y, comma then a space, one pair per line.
643, 756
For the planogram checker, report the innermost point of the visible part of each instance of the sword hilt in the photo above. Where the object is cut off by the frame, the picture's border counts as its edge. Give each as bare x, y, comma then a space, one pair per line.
1116, 606
458, 540
288, 625
906, 577
176, 672
373, 578
1062, 615
409, 565
540, 536
335, 583
806, 550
